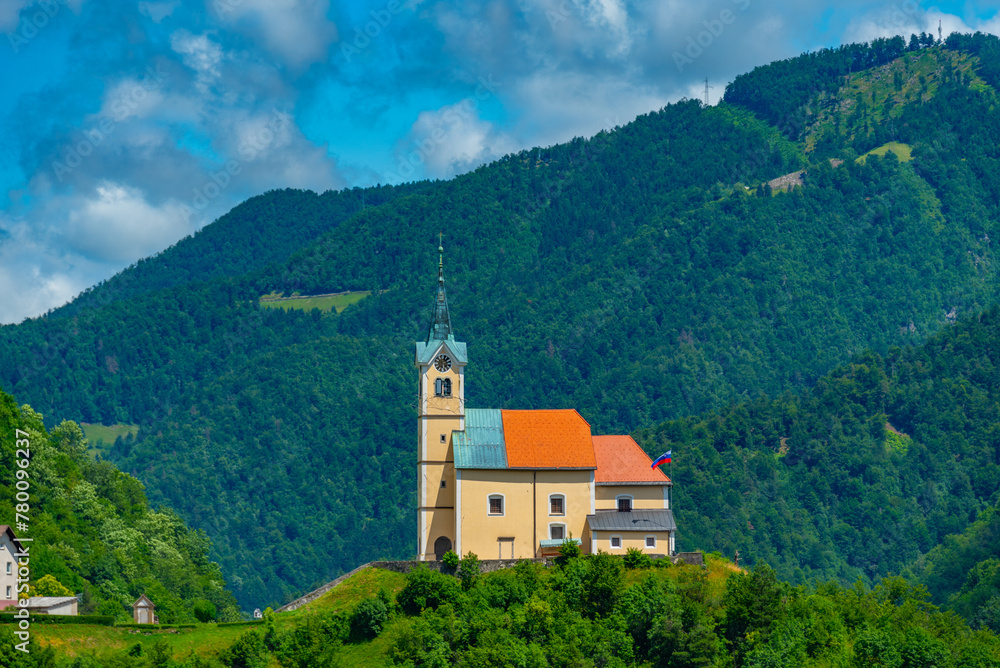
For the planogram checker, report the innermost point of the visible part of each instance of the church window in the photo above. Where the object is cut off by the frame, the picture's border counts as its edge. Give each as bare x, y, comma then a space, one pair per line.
557, 504
444, 439
444, 484
624, 504
442, 387
557, 531
616, 542
651, 542
496, 504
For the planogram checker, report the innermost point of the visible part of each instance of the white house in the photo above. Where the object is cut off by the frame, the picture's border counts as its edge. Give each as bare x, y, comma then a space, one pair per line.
10, 546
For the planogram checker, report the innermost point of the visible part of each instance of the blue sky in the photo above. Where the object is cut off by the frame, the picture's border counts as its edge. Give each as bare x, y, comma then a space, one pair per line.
127, 125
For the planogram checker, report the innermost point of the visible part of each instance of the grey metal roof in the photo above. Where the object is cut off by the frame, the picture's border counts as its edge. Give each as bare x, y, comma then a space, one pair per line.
427, 350
637, 520
481, 445
49, 601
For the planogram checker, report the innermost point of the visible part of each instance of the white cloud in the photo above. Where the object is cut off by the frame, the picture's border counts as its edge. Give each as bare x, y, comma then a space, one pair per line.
296, 30
10, 13
451, 140
157, 11
117, 224
902, 20
200, 54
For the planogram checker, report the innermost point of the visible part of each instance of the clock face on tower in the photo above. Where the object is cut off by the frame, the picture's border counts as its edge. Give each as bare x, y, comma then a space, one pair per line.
442, 362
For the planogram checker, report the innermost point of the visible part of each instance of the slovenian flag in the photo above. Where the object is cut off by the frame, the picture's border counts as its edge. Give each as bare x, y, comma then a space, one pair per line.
662, 459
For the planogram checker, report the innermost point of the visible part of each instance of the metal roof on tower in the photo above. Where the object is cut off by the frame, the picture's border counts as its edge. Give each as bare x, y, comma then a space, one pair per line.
440, 332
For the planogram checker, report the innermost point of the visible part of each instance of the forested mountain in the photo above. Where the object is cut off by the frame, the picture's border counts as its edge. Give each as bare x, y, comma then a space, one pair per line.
641, 275
93, 532
859, 475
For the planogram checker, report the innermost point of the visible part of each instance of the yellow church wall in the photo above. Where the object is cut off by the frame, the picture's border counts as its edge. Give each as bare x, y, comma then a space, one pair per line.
575, 486
524, 493
644, 497
480, 530
437, 495
601, 540
432, 429
434, 524
435, 405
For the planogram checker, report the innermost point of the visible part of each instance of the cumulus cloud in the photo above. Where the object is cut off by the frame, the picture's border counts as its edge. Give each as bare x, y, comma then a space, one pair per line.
117, 224
200, 54
166, 113
451, 140
296, 30
158, 11
10, 13
903, 19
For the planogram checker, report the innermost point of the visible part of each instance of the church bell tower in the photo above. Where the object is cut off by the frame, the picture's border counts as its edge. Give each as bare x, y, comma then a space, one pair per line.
441, 362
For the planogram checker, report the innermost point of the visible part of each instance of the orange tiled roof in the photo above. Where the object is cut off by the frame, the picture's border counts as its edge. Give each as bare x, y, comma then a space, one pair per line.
620, 459
548, 439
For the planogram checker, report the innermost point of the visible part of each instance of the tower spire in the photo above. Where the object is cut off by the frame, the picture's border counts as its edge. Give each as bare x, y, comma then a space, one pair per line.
440, 329
440, 258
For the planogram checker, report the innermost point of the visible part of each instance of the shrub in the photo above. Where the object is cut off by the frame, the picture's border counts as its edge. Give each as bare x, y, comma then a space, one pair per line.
425, 588
451, 560
569, 550
469, 571
603, 581
369, 617
247, 651
637, 559
204, 610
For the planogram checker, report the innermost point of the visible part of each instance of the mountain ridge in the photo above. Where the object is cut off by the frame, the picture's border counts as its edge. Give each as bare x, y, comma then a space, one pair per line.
634, 276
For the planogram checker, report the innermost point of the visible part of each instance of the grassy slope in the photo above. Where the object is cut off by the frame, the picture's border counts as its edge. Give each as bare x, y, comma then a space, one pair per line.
102, 437
325, 303
880, 95
208, 639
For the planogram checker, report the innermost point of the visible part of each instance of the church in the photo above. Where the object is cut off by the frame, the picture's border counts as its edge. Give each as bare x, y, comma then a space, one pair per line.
515, 484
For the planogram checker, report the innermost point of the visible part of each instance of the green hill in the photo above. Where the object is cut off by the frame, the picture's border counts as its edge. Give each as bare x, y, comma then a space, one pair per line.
596, 611
93, 531
629, 275
858, 476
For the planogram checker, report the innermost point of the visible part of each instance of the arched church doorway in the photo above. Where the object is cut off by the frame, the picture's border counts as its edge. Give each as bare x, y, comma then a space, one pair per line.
441, 545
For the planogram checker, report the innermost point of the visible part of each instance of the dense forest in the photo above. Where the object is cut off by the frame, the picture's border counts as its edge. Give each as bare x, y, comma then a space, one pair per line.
595, 611
645, 274
94, 533
861, 474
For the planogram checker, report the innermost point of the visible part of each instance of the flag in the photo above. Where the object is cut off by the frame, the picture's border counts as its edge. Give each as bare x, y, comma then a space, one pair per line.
662, 459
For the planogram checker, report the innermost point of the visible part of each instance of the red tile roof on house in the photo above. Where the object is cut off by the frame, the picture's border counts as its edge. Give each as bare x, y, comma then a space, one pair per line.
548, 439
620, 459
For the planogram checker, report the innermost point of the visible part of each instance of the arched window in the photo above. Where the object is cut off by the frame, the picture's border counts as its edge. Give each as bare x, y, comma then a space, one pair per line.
557, 504
495, 504
442, 387
624, 502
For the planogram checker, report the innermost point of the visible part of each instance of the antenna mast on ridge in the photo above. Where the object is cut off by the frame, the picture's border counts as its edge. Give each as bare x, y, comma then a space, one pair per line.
707, 87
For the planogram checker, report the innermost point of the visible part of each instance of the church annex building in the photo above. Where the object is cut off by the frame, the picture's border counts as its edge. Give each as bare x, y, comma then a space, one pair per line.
517, 483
